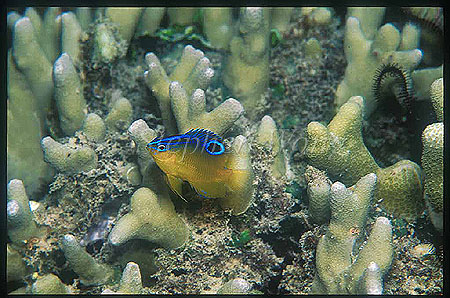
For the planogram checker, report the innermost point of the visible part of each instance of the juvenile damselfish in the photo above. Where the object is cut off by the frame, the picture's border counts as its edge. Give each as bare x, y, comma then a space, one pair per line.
199, 157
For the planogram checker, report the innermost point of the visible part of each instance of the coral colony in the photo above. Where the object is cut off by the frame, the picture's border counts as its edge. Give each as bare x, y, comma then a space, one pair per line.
156, 150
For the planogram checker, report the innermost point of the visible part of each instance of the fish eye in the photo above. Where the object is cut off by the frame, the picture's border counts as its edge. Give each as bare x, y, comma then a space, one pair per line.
215, 148
161, 147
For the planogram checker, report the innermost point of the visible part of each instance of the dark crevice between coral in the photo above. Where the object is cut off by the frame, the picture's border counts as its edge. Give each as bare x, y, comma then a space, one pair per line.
284, 242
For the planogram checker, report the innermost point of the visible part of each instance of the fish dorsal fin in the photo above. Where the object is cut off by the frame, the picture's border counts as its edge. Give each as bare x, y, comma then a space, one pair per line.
203, 134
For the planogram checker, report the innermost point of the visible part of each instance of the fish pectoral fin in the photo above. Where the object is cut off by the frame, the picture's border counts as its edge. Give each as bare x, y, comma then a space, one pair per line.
176, 185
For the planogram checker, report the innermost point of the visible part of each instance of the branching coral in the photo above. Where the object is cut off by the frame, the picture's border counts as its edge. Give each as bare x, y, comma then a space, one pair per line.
268, 136
433, 158
21, 225
246, 71
338, 271
151, 218
366, 50
339, 149
66, 159
89, 270
130, 282
192, 73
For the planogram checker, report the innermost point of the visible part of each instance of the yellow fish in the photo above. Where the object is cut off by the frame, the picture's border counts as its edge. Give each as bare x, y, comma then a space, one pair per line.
199, 157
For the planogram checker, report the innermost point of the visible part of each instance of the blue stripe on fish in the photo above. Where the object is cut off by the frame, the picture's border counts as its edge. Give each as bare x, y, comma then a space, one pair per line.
208, 140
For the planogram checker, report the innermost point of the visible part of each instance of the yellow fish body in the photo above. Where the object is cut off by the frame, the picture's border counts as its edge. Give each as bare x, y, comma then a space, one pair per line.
198, 157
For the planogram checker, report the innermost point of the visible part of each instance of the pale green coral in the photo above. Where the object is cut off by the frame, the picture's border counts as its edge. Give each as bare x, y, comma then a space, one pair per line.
318, 191
433, 166
400, 189
268, 137
126, 20
94, 127
150, 19
338, 272
119, 116
280, 18
365, 54
246, 71
89, 270
317, 15
69, 97
71, 35
15, 266
437, 98
151, 218
217, 26
339, 149
152, 176
23, 148
313, 49
241, 182
182, 16
130, 282
193, 72
189, 112
21, 224
68, 159
33, 63
49, 284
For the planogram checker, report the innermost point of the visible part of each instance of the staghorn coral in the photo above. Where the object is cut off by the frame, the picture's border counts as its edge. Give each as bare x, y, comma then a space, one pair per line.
193, 72
130, 282
246, 71
68, 159
217, 25
49, 284
89, 270
338, 271
190, 112
268, 137
68, 95
318, 191
433, 159
21, 225
366, 51
151, 218
15, 266
339, 149
242, 180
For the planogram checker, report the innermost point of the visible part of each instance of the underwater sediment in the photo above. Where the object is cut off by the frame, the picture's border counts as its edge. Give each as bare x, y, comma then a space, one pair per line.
256, 150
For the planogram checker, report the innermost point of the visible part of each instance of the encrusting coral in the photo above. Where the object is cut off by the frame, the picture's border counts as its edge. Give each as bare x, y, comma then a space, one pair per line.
433, 158
152, 218
338, 271
339, 150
